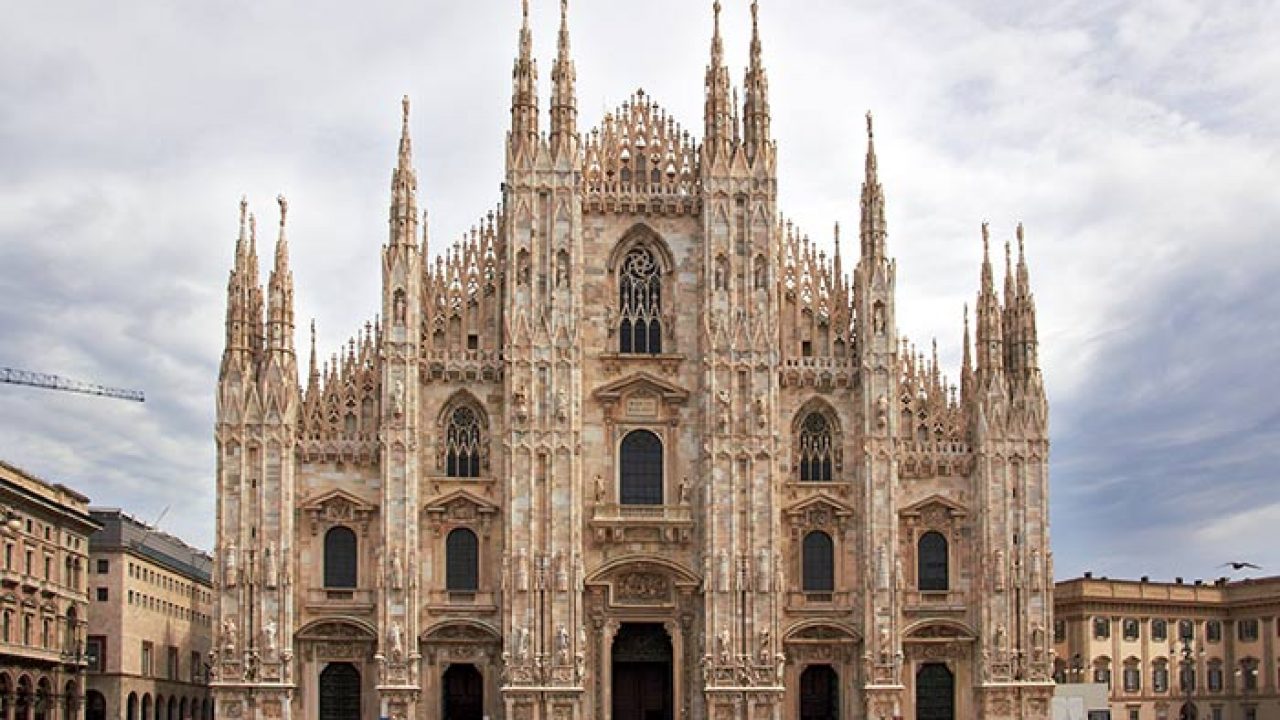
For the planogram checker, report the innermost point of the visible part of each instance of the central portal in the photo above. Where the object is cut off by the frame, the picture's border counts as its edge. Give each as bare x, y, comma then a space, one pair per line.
642, 673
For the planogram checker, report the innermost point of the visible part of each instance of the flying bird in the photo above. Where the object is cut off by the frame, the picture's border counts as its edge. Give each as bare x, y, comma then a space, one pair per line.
1240, 565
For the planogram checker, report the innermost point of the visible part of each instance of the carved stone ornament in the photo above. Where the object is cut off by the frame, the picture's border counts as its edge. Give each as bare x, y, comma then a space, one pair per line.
338, 508
641, 588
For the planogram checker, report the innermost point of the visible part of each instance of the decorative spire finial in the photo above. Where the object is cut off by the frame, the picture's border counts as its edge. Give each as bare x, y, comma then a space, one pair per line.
284, 208
871, 132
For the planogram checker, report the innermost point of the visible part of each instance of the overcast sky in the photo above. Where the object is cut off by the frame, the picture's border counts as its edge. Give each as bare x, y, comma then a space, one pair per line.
1136, 139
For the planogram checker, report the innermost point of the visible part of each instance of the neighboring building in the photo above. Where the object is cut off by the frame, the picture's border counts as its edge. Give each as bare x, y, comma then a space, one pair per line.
633, 448
44, 608
1129, 634
151, 613
1081, 701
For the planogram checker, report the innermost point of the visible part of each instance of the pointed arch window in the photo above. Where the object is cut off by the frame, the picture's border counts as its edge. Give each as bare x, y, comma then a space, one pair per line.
815, 448
340, 558
640, 303
462, 561
463, 441
931, 558
818, 560
640, 469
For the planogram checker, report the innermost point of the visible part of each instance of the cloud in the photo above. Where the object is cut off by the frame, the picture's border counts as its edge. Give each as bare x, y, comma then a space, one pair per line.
1137, 140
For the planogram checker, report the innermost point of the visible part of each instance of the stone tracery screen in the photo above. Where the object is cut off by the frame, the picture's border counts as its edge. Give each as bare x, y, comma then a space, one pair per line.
640, 303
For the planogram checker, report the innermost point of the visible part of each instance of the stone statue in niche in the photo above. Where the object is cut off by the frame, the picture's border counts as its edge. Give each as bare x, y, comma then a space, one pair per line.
721, 273
395, 638
229, 565
397, 571
999, 570
762, 411
269, 636
397, 398
229, 635
562, 405
998, 640
764, 570
522, 571
882, 569
878, 319
599, 489
522, 644
781, 659
882, 412
766, 641
561, 572
722, 397
722, 646
684, 491
398, 308
562, 645
562, 270
521, 403
270, 566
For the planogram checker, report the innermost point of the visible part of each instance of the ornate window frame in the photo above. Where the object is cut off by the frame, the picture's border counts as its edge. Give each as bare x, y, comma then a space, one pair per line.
460, 401
800, 421
641, 237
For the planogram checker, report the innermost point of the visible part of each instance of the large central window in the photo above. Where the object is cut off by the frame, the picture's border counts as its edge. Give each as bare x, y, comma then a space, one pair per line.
640, 469
640, 303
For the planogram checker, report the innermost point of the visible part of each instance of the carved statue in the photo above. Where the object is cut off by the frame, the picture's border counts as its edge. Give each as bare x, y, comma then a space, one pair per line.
781, 659
562, 405
878, 318
229, 565
269, 636
229, 634
882, 412
380, 568
579, 666
722, 397
764, 569
882, 569
562, 645
398, 308
722, 646
765, 641
522, 571
522, 644
397, 398
397, 571
722, 576
395, 638
684, 491
999, 640
762, 411
562, 270
271, 572
599, 489
521, 402
561, 572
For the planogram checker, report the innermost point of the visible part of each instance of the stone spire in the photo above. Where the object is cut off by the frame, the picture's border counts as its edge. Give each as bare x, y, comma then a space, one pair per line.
404, 187
874, 229
756, 111
718, 113
280, 291
237, 325
989, 333
253, 288
966, 363
1026, 305
564, 100
313, 369
524, 88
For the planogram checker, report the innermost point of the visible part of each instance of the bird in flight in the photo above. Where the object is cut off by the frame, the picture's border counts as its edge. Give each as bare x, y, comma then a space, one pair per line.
1240, 565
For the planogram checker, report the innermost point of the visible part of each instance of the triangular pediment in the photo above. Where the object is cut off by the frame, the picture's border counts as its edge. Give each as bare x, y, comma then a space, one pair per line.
939, 502
820, 502
641, 383
336, 499
461, 500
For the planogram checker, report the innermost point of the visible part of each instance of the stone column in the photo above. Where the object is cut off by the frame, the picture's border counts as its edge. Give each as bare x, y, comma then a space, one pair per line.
677, 667
607, 635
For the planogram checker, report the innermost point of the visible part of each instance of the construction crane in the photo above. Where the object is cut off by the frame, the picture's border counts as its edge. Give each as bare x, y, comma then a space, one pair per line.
57, 382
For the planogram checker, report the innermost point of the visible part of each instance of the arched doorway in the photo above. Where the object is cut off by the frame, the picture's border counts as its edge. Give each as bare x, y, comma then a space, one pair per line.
819, 693
642, 681
146, 707
340, 692
935, 692
463, 693
131, 705
95, 705
1188, 712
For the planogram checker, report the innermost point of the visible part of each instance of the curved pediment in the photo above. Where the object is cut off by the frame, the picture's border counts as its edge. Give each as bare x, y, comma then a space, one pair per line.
337, 507
337, 629
641, 383
934, 629
459, 502
934, 504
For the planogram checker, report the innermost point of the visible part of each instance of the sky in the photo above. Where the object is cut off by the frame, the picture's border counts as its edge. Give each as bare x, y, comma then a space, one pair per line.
1137, 140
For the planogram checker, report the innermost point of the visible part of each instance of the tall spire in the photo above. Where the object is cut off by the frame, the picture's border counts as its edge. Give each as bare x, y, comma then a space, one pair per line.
756, 132
718, 113
564, 78
313, 370
874, 228
237, 327
280, 290
990, 341
524, 87
253, 320
404, 187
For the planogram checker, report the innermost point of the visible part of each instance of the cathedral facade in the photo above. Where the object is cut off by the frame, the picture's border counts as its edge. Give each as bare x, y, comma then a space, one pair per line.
633, 448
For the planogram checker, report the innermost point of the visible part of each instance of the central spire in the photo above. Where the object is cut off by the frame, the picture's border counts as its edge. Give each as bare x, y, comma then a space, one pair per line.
564, 102
404, 186
874, 230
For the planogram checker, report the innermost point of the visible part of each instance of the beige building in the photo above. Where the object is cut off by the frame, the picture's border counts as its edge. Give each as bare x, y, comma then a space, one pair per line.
632, 448
1173, 650
45, 529
151, 614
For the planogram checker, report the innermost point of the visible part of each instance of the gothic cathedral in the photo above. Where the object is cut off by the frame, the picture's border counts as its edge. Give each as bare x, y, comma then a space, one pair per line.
633, 448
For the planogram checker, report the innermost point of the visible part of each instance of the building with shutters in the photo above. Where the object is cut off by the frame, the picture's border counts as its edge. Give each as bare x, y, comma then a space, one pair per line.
151, 620
632, 448
44, 528
1129, 635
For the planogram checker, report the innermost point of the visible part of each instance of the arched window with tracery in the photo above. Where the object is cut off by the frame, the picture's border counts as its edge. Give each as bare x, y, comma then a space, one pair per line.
815, 449
464, 443
640, 303
931, 559
462, 561
340, 558
818, 563
640, 469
